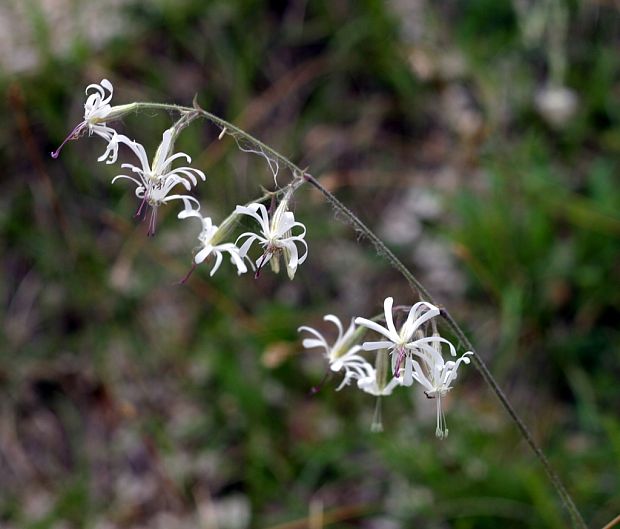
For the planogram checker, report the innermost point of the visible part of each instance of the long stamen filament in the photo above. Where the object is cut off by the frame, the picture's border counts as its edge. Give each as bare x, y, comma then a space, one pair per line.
152, 221
399, 361
139, 210
442, 427
377, 419
73, 135
315, 389
187, 276
260, 265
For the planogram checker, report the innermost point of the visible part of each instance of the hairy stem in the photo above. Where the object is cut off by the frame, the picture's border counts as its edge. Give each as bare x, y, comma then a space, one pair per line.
465, 342
301, 175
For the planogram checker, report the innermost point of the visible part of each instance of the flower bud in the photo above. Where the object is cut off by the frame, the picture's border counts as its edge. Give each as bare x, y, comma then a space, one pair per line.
115, 113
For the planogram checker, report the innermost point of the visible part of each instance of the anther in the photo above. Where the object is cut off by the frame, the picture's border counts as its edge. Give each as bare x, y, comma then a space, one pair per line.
315, 389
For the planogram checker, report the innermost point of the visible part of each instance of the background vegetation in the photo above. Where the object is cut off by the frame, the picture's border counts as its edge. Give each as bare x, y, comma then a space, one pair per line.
129, 401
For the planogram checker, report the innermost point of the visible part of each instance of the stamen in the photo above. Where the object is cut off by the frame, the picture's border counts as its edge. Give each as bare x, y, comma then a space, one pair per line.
315, 389
73, 135
139, 210
377, 419
191, 270
260, 265
442, 427
399, 361
152, 222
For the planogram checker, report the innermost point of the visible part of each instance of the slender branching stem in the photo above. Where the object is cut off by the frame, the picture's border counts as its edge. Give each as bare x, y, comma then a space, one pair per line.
465, 342
301, 175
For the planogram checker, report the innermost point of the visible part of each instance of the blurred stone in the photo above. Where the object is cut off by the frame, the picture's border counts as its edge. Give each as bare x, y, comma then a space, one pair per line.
230, 512
437, 65
383, 522
401, 222
276, 353
399, 226
37, 504
438, 264
476, 468
23, 311
136, 490
461, 112
104, 524
168, 520
352, 287
62, 524
405, 497
23, 45
411, 16
422, 64
556, 104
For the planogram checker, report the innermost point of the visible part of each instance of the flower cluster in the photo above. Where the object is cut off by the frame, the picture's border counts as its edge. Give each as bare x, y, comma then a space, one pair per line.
158, 183
416, 356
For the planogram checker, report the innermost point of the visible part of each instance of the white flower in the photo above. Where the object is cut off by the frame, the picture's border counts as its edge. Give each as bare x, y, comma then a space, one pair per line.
97, 110
398, 341
435, 375
155, 181
276, 237
371, 384
209, 238
342, 354
377, 382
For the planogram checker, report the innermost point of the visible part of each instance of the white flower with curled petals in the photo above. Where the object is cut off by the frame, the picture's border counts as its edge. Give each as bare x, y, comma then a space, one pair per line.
210, 237
434, 374
398, 342
379, 384
97, 112
342, 354
373, 385
276, 237
155, 181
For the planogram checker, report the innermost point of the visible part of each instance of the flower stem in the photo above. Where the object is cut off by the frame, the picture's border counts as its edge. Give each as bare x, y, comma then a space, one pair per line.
301, 175
380, 246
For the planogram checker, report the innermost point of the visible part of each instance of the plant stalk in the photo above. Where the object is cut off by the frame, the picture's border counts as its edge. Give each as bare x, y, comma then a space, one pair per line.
301, 175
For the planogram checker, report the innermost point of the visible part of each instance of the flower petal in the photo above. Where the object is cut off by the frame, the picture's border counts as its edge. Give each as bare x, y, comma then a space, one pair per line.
336, 321
412, 325
218, 262
387, 308
373, 346
374, 326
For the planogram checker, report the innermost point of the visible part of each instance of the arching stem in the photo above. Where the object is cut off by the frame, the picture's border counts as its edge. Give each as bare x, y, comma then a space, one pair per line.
301, 175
